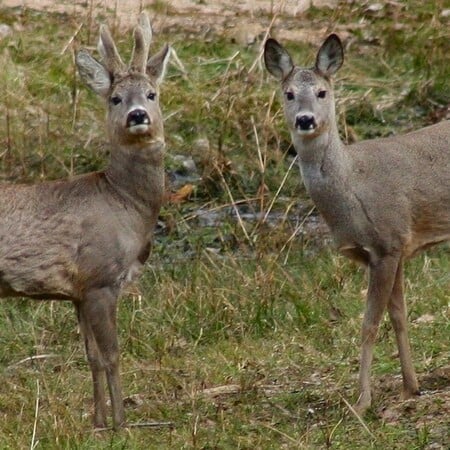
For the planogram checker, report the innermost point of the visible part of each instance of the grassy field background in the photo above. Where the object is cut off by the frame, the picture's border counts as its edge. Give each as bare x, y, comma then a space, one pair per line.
244, 330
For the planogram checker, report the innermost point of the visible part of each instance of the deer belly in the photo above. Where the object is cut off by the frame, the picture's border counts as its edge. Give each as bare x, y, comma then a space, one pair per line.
36, 265
36, 277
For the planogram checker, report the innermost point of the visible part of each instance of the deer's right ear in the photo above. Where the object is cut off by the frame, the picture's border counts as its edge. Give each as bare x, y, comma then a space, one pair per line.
277, 59
93, 73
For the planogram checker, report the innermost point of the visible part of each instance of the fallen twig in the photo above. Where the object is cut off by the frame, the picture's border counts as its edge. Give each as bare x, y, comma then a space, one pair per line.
176, 61
139, 425
69, 42
32, 358
34, 443
360, 420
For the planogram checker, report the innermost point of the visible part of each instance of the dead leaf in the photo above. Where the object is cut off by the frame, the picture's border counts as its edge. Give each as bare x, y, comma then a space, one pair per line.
221, 390
182, 194
374, 8
134, 400
426, 318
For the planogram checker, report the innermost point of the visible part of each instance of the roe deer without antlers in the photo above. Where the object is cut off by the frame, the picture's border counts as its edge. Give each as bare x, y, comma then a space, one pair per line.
384, 200
82, 239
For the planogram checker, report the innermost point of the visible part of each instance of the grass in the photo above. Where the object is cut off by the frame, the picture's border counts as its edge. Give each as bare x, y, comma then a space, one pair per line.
289, 354
239, 335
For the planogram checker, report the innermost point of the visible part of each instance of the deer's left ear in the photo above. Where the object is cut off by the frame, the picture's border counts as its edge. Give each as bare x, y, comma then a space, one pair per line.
330, 56
156, 65
93, 73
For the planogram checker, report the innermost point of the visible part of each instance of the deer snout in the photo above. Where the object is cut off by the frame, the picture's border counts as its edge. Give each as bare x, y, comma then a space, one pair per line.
305, 122
138, 120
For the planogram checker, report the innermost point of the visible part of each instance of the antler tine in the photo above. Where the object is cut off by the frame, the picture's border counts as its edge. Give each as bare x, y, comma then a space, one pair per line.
144, 23
142, 39
108, 51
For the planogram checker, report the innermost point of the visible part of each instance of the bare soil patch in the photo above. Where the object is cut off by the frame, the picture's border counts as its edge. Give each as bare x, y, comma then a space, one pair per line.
242, 21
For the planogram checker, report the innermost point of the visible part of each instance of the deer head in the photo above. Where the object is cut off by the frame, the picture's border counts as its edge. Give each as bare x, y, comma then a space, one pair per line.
132, 91
308, 95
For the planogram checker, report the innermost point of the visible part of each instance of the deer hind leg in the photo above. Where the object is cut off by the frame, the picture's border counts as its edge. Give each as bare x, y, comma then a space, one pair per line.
381, 281
397, 314
99, 311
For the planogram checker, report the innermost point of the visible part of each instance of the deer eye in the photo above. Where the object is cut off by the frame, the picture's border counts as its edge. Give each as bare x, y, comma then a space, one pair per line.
151, 96
116, 100
322, 94
289, 96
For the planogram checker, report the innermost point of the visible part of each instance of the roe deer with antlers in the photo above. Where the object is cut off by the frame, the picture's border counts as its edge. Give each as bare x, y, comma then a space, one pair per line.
384, 200
83, 239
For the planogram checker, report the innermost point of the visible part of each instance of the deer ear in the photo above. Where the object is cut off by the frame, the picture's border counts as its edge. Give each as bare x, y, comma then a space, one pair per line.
156, 65
93, 74
330, 56
277, 59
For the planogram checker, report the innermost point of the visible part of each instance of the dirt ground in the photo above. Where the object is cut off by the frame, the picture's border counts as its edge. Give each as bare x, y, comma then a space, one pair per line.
127, 9
242, 20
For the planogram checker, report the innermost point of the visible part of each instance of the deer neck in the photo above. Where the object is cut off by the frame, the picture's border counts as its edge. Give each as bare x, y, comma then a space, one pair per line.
324, 165
136, 172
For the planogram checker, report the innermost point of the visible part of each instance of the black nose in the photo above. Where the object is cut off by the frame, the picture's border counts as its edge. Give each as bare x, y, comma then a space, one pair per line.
138, 117
305, 122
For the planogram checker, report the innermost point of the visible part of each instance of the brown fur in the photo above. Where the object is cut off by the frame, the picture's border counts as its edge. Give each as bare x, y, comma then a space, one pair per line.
83, 239
384, 200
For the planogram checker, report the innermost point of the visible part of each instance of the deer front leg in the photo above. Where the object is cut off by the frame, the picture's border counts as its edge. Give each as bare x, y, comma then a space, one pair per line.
97, 369
99, 308
381, 281
397, 314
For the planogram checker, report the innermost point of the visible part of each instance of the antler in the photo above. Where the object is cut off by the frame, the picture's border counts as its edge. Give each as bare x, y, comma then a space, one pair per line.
142, 38
108, 51
110, 56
